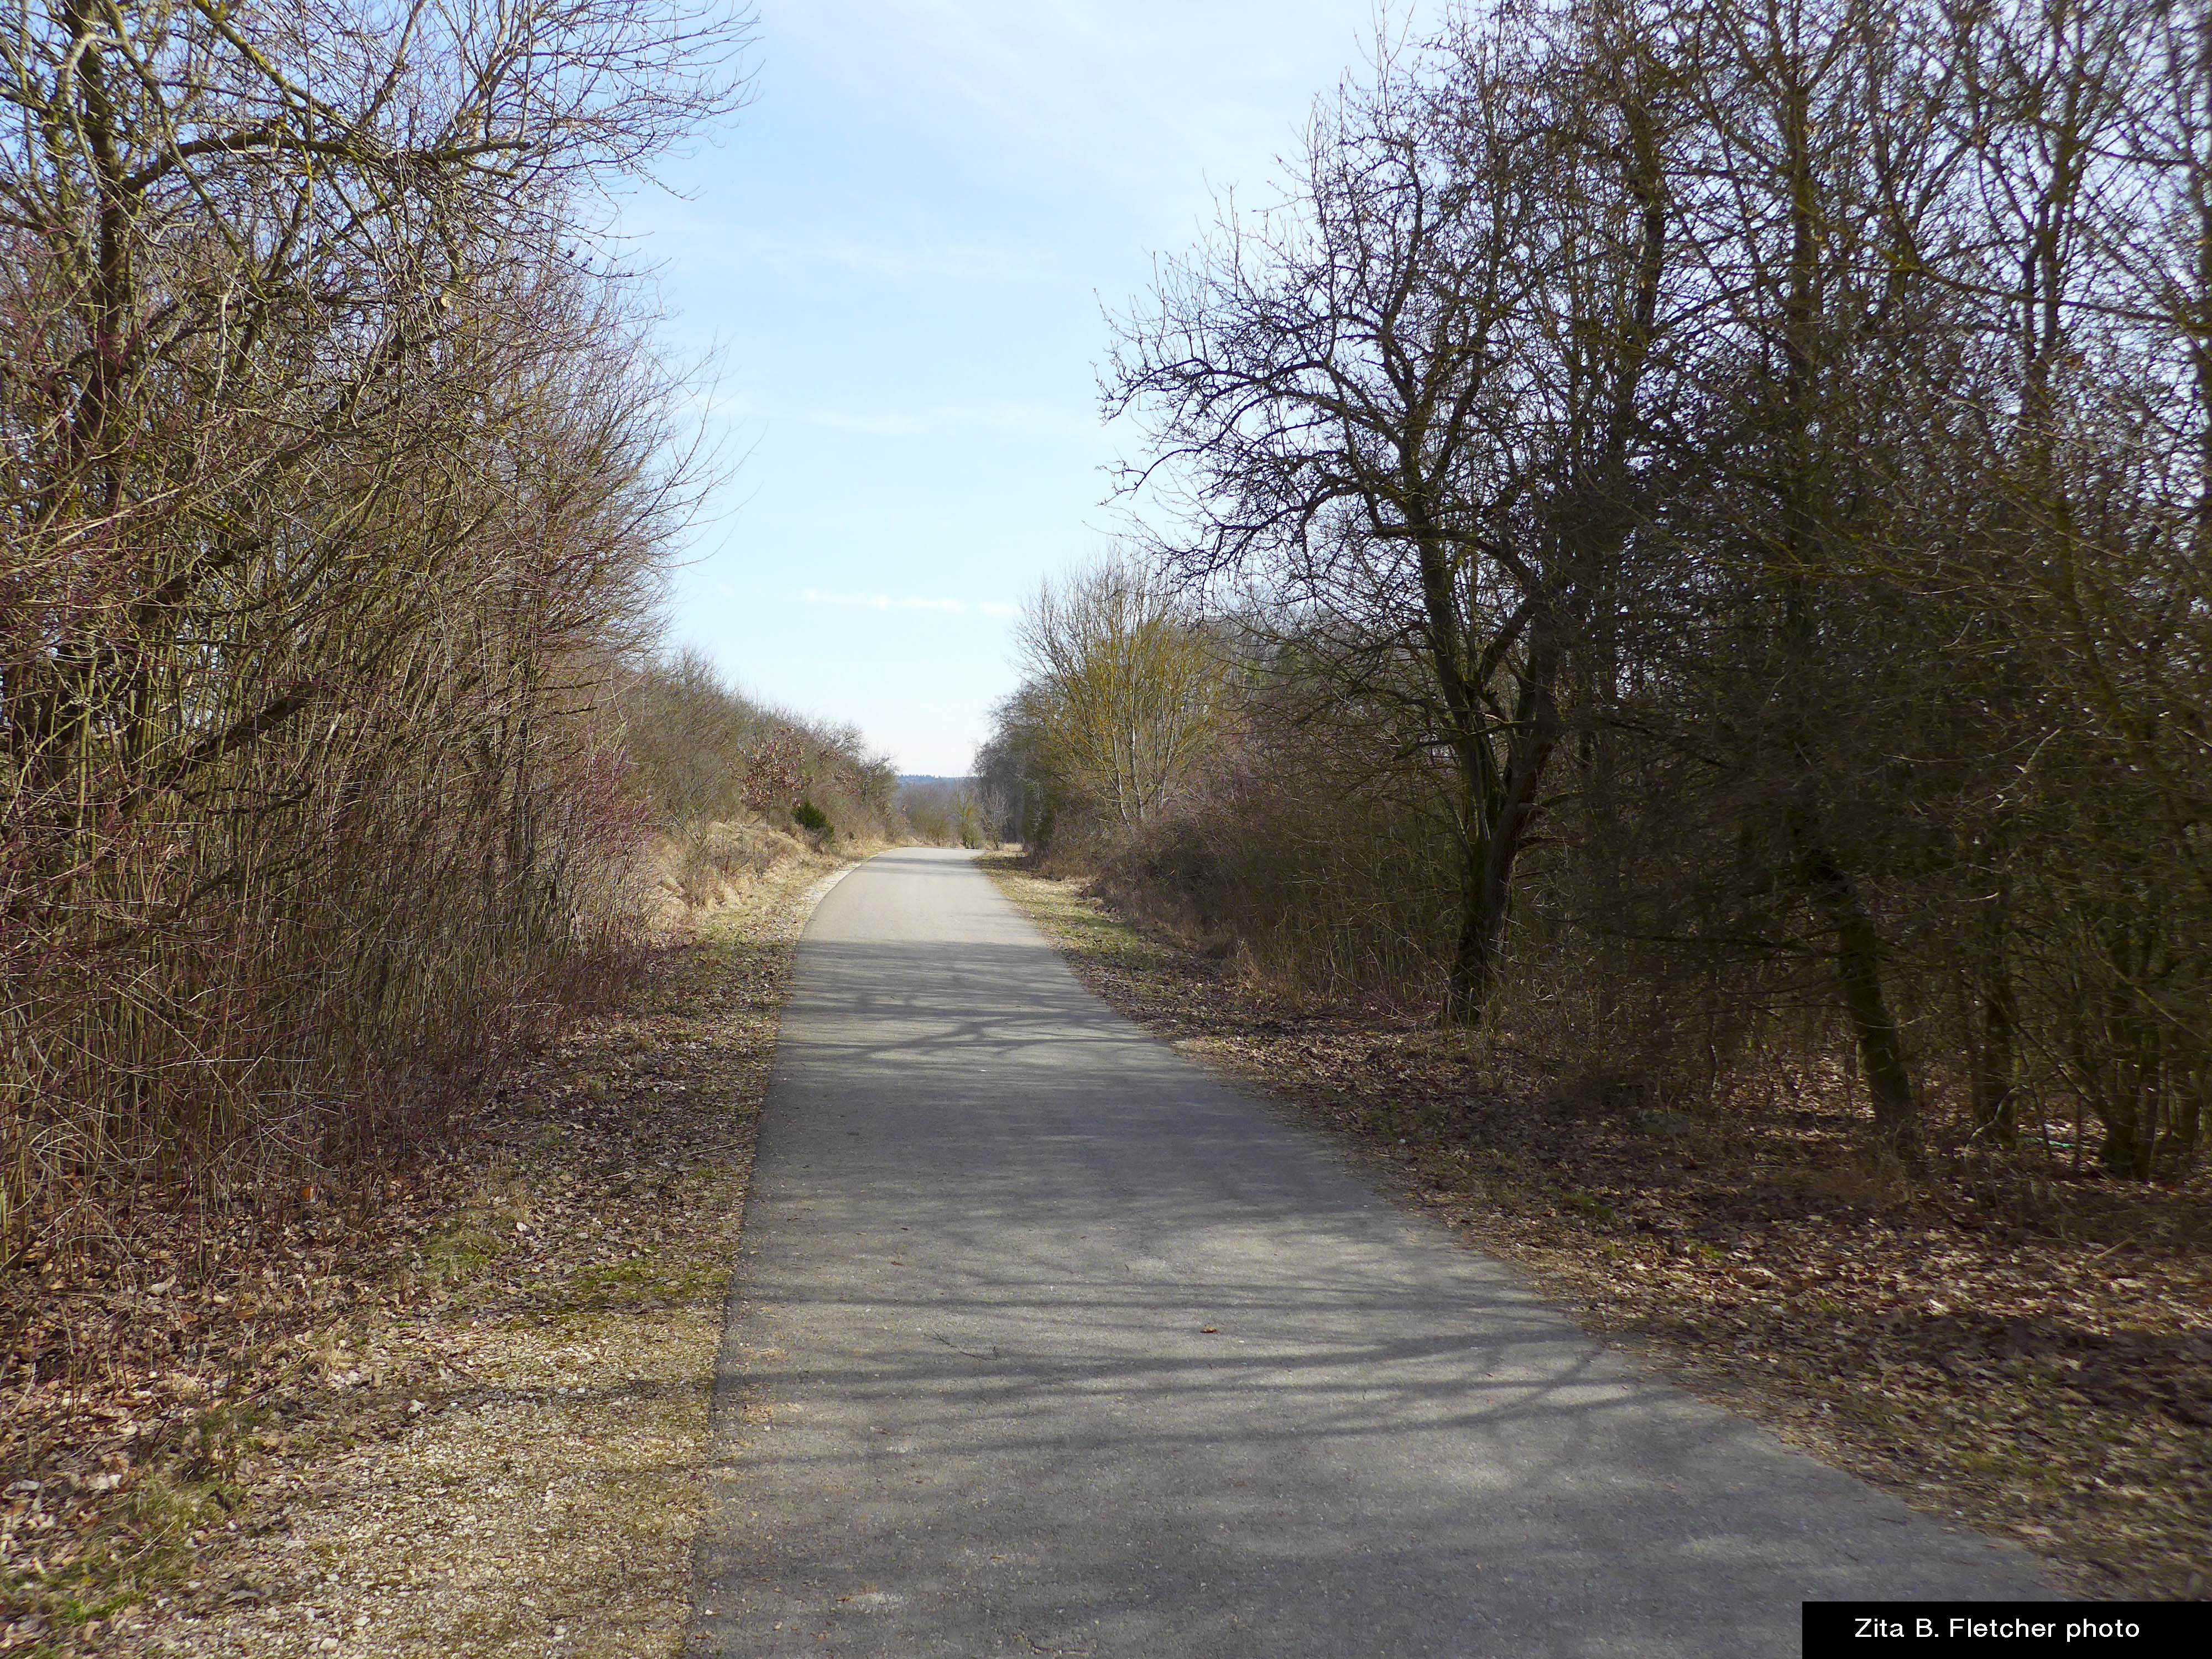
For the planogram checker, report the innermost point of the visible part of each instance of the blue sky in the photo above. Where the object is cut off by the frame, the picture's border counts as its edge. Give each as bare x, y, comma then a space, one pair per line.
899, 252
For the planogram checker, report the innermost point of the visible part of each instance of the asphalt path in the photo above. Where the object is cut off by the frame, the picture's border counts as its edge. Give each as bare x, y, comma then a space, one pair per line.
1046, 1342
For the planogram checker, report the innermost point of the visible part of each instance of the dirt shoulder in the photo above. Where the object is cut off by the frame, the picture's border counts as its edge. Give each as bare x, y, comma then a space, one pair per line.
2027, 1353
470, 1422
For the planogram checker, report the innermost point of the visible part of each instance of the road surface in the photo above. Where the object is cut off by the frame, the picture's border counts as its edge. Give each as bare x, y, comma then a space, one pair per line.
1046, 1342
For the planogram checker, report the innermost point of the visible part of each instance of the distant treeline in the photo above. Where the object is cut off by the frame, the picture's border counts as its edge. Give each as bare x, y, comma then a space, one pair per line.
341, 478
1686, 529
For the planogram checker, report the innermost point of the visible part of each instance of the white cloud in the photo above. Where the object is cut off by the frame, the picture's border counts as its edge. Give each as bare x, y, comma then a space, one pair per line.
1130, 90
889, 602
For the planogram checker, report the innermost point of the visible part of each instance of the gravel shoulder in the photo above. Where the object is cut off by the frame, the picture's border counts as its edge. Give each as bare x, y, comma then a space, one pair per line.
2026, 1353
473, 1421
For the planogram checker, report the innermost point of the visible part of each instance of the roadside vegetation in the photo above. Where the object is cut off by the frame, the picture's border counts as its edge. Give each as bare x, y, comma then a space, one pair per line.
2000, 1347
342, 771
466, 1413
1660, 656
1686, 534
945, 811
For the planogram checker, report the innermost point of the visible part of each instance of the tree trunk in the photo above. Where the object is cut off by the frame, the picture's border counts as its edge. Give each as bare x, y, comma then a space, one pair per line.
1996, 1052
1474, 960
1498, 837
1859, 973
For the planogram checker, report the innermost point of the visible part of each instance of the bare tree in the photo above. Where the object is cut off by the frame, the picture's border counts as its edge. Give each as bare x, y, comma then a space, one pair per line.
1406, 406
1124, 688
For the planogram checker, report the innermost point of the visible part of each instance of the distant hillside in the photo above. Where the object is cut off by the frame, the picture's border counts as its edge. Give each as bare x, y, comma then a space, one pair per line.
907, 778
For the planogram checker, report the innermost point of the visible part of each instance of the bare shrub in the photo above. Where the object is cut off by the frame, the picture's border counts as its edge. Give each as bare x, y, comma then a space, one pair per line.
709, 758
946, 812
339, 476
1714, 503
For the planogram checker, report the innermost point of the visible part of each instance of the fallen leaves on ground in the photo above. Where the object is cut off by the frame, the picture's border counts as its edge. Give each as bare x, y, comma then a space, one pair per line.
2001, 1340
468, 1421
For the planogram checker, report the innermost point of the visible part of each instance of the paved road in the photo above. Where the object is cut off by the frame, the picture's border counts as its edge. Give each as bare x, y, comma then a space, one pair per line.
969, 1406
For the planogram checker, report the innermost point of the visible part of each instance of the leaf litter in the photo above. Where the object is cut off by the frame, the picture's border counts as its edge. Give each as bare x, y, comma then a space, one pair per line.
2000, 1342
469, 1420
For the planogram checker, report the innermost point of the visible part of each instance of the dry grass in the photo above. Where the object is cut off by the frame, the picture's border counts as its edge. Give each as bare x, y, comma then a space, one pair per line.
1995, 1342
470, 1422
712, 865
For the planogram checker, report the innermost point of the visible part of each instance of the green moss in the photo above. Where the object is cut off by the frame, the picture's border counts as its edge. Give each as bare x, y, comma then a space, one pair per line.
145, 1542
456, 1251
1596, 1208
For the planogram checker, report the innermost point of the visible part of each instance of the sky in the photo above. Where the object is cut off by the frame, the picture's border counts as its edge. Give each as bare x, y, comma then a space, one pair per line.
899, 254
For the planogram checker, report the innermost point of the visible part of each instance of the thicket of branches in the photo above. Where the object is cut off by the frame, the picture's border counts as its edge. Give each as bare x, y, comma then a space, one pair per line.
945, 811
1715, 500
706, 755
1124, 692
338, 479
